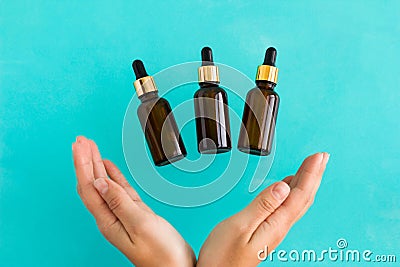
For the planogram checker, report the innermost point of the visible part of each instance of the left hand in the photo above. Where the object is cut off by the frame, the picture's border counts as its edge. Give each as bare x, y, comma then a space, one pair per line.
124, 220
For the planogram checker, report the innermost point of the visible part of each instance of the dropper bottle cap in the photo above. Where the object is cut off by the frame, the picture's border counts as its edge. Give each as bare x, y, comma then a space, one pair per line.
267, 71
208, 72
144, 83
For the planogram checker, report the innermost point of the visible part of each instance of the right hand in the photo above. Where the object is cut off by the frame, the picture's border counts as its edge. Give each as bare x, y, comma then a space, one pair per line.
238, 240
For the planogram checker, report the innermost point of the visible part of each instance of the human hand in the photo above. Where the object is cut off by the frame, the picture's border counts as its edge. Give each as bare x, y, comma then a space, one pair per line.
238, 240
121, 216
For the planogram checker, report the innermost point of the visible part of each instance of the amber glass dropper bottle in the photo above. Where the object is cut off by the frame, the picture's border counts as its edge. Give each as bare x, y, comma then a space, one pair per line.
211, 109
261, 109
157, 120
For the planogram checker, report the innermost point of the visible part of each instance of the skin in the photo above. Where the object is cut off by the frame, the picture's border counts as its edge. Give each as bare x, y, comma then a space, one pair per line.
237, 240
147, 239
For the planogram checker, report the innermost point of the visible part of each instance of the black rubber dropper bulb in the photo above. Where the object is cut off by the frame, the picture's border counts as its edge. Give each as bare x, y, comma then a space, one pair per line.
270, 56
139, 69
207, 57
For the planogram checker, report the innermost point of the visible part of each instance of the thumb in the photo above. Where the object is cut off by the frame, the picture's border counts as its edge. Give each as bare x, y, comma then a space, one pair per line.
118, 201
264, 205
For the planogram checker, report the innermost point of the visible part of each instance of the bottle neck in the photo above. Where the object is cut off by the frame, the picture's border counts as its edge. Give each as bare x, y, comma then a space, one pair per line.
208, 84
148, 96
267, 85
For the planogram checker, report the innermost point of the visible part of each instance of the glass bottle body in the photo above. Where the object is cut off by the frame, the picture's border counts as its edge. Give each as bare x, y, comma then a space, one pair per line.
212, 119
160, 129
259, 119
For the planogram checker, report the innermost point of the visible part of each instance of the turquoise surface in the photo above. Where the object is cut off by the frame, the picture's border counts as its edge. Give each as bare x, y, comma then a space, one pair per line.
65, 71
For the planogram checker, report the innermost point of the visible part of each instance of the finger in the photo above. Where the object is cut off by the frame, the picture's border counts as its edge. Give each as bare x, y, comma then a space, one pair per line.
84, 172
272, 231
288, 179
120, 203
306, 167
83, 161
316, 185
308, 179
263, 205
295, 178
116, 175
309, 174
98, 167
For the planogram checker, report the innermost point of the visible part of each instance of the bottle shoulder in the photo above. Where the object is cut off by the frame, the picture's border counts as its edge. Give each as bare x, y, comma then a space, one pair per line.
266, 92
151, 103
210, 92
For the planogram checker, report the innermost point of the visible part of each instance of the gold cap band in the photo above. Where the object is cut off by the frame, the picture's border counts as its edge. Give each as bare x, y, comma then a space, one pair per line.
208, 74
145, 85
267, 73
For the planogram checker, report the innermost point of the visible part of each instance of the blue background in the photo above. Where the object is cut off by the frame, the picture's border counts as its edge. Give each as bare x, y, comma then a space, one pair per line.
65, 71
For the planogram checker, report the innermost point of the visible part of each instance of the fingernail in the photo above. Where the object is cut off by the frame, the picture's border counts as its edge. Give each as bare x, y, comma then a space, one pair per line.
320, 157
325, 158
281, 190
81, 139
101, 185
